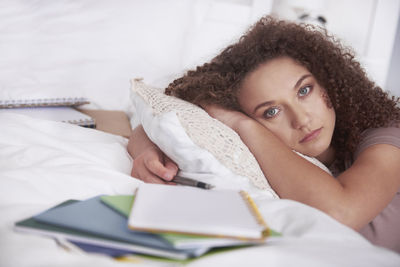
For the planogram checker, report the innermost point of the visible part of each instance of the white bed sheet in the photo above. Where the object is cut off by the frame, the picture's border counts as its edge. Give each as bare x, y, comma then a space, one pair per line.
43, 163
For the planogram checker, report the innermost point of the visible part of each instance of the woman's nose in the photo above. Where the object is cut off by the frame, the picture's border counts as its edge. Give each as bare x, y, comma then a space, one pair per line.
300, 117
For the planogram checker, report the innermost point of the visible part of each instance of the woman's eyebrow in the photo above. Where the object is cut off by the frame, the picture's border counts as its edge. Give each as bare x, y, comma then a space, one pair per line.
294, 87
301, 80
266, 103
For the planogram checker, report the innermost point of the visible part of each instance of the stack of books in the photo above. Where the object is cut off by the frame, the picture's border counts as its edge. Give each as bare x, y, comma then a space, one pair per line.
164, 221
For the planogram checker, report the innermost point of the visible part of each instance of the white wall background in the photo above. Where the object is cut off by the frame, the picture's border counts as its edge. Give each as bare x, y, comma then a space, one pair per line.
93, 48
393, 77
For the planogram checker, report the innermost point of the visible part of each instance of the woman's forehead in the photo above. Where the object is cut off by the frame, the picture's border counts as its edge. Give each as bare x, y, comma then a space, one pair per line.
279, 72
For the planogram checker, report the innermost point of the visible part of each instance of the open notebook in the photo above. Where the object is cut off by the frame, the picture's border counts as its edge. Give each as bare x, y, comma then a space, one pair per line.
189, 210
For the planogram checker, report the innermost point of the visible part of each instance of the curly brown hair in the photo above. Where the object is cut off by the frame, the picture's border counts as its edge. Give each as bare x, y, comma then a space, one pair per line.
359, 104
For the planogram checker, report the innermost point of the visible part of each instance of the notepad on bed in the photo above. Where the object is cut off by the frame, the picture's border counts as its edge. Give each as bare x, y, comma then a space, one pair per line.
178, 209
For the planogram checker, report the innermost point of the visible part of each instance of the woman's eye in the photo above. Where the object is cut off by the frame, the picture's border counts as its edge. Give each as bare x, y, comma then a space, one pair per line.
304, 90
271, 112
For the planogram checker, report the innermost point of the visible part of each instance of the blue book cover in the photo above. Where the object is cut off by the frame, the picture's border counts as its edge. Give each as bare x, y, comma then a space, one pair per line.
94, 217
93, 248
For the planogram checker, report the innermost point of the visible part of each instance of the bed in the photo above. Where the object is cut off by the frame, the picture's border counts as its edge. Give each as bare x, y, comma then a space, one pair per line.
93, 49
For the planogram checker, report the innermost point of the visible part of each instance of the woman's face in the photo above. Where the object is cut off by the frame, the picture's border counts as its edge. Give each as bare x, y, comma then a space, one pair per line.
285, 97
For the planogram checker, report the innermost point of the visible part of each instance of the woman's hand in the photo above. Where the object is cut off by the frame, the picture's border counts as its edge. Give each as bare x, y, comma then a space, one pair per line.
150, 164
231, 118
153, 166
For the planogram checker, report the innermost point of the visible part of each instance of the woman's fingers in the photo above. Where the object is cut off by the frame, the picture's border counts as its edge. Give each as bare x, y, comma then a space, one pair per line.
231, 118
172, 168
140, 171
153, 166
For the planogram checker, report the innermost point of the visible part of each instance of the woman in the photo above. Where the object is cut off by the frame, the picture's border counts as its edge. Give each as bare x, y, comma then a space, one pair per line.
285, 87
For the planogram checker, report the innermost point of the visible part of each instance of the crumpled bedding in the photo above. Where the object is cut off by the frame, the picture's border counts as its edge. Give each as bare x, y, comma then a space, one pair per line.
43, 163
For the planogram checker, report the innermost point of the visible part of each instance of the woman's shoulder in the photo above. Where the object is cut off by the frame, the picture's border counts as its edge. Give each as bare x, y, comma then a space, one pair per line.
383, 230
374, 136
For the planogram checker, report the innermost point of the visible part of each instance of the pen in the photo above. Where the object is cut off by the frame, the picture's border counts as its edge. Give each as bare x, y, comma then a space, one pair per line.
191, 182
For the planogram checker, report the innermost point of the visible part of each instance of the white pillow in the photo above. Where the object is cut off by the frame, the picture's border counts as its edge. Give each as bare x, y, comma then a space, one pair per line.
203, 147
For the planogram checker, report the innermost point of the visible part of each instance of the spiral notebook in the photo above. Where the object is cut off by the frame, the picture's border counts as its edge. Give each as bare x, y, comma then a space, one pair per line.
44, 102
189, 210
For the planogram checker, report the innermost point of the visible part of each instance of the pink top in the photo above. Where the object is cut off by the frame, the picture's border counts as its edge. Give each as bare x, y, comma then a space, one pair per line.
384, 229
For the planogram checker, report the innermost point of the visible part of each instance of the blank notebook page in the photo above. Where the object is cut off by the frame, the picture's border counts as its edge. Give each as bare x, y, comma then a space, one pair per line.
185, 209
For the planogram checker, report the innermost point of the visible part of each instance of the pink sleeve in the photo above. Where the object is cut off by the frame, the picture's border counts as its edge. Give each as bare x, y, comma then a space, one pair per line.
383, 230
390, 136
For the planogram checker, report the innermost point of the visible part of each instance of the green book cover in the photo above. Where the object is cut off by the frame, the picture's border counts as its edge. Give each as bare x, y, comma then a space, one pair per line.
120, 203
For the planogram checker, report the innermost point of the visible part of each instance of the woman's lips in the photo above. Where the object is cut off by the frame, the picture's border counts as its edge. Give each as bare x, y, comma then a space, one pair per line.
311, 136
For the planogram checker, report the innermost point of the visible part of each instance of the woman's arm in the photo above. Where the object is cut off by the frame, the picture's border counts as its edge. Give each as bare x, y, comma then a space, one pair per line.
150, 163
354, 198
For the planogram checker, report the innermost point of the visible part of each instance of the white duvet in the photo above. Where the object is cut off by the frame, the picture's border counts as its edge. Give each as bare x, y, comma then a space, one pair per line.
43, 163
